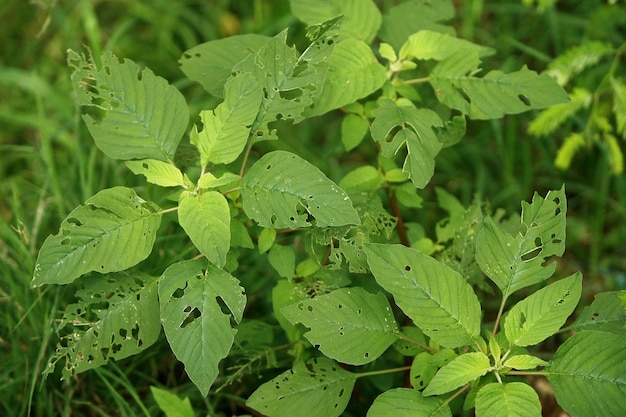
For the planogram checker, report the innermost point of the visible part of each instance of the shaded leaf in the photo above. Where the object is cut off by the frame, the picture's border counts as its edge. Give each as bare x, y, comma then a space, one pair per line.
171, 404
606, 314
458, 372
577, 59
404, 402
515, 399
552, 118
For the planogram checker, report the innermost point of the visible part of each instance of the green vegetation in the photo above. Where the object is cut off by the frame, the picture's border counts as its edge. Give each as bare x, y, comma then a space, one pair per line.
351, 200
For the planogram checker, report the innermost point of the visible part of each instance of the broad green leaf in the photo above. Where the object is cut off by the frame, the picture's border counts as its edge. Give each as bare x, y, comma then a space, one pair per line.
458, 372
523, 362
587, 374
422, 370
353, 73
515, 262
362, 17
114, 230
144, 117
319, 388
550, 119
158, 172
206, 220
409, 17
396, 126
410, 347
404, 402
353, 130
289, 81
266, 239
283, 260
495, 94
606, 314
171, 404
577, 59
619, 105
349, 325
211, 63
515, 399
364, 178
452, 131
282, 190
427, 44
541, 314
196, 325
113, 318
438, 300
226, 129
208, 180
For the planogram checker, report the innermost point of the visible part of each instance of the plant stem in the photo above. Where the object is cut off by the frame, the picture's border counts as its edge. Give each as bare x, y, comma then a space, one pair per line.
384, 371
498, 317
449, 400
415, 342
245, 155
395, 210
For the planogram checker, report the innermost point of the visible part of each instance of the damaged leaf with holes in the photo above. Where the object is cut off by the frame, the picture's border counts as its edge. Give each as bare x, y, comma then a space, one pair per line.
114, 317
319, 386
114, 230
200, 305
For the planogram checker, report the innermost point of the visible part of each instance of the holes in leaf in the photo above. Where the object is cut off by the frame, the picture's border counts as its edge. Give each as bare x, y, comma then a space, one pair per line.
366, 355
392, 133
123, 333
463, 94
178, 293
524, 99
290, 94
145, 165
65, 241
407, 268
74, 221
116, 347
135, 333
191, 317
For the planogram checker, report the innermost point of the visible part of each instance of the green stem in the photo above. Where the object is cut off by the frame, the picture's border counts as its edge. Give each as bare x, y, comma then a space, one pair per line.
413, 81
498, 317
449, 400
540, 373
383, 371
415, 342
395, 210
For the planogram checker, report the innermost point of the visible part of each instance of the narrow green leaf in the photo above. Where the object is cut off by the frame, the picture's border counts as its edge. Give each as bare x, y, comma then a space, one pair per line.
587, 374
318, 386
577, 59
171, 404
573, 143
114, 318
523, 362
550, 119
438, 300
197, 329
458, 372
404, 402
157, 172
349, 325
144, 118
281, 188
606, 314
114, 230
226, 129
211, 63
495, 94
362, 17
206, 220
619, 105
516, 262
427, 44
541, 314
516, 399
397, 125
353, 73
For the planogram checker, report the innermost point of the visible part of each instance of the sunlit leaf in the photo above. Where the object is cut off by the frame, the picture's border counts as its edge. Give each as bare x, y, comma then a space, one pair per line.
427, 44
404, 402
458, 372
171, 404
157, 172
515, 399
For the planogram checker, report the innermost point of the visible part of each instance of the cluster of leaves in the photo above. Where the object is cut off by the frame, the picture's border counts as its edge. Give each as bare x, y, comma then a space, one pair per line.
342, 231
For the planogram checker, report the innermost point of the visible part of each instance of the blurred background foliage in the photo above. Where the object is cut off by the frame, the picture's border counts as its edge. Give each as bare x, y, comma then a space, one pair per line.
48, 163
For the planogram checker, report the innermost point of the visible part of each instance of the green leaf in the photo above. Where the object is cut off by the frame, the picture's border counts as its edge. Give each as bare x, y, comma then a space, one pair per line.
113, 318
353, 73
458, 372
404, 19
353, 130
619, 105
515, 399
422, 370
516, 262
495, 94
283, 260
266, 239
541, 314
438, 300
144, 117
114, 230
566, 152
396, 125
427, 44
349, 325
281, 190
208, 180
226, 129
550, 119
364, 178
587, 374
171, 404
452, 131
577, 59
318, 386
211, 63
157, 172
362, 17
206, 220
196, 326
404, 402
606, 314
524, 362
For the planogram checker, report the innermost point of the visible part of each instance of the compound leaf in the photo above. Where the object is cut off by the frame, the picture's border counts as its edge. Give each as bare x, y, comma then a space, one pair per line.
114, 230
438, 300
144, 117
318, 386
606, 314
458, 372
196, 325
587, 374
158, 172
206, 220
541, 314
405, 402
349, 325
282, 190
515, 399
495, 94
